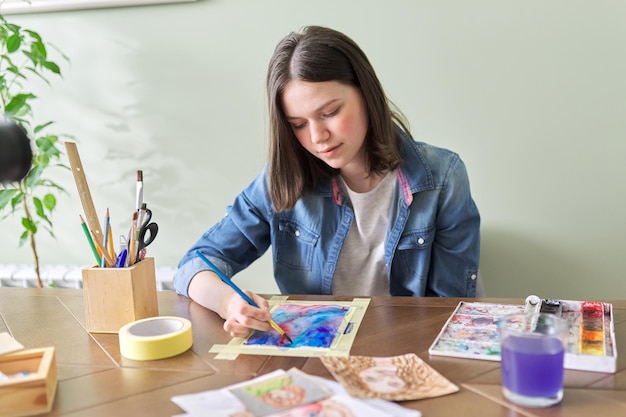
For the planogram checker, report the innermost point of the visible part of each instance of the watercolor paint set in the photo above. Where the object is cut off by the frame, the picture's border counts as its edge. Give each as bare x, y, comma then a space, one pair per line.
471, 331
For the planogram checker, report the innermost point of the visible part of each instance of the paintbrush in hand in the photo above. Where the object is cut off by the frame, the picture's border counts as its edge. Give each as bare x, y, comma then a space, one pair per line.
243, 295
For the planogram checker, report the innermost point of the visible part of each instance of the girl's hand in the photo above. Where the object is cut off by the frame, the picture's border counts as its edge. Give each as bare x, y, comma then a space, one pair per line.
241, 317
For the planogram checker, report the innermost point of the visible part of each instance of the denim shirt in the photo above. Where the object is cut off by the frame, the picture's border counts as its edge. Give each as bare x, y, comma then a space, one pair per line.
432, 243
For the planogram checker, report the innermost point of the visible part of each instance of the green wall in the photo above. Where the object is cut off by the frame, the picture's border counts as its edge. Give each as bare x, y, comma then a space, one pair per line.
530, 93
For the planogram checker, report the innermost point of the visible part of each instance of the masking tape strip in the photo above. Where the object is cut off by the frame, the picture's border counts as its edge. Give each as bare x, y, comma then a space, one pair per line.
155, 338
340, 347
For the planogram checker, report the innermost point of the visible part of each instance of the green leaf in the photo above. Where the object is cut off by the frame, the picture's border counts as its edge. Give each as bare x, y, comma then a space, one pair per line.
20, 120
17, 103
41, 160
51, 66
40, 211
6, 196
34, 35
49, 230
16, 71
38, 51
51, 184
39, 128
19, 197
60, 52
38, 74
46, 144
49, 222
23, 238
33, 176
50, 201
14, 28
13, 43
38, 207
23, 113
29, 225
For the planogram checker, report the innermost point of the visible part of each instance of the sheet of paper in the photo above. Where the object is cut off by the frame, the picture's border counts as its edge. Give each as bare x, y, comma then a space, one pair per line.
314, 325
396, 378
284, 392
317, 328
222, 402
338, 405
8, 344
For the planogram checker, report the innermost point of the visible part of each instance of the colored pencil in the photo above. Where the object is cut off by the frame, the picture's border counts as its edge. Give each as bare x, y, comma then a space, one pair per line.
105, 238
90, 240
106, 255
243, 295
111, 244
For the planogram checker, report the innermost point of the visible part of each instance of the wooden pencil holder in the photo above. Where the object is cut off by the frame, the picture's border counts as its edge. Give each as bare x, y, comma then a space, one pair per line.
117, 296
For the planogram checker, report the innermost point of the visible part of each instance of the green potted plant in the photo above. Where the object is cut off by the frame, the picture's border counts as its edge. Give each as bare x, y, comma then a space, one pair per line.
23, 60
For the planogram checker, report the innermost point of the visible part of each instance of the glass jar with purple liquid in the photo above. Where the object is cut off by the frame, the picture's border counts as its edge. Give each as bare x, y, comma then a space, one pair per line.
532, 350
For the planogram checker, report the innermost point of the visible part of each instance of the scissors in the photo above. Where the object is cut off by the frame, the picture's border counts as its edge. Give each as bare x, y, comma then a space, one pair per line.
146, 234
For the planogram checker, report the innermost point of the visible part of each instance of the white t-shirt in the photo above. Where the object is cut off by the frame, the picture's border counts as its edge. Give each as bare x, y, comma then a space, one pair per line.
361, 266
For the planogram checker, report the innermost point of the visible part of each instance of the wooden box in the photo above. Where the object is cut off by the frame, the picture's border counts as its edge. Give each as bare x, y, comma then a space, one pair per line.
33, 393
117, 296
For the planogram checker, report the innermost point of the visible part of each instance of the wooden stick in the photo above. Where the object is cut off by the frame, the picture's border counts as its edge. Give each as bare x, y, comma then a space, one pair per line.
83, 191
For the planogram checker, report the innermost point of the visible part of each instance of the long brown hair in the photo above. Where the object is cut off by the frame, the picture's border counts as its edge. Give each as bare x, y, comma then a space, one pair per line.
318, 54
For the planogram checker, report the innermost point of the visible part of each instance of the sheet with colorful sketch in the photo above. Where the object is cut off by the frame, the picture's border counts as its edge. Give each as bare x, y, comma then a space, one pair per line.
317, 328
290, 393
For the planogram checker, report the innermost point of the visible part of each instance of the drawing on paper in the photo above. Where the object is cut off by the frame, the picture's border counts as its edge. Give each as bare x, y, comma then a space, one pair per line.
336, 406
308, 326
290, 390
281, 393
317, 328
396, 378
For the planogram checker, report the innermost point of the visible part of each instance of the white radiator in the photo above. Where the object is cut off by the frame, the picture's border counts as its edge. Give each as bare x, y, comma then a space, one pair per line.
65, 276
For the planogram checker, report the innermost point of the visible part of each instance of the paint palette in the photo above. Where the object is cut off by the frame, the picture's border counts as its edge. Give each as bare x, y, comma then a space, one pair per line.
472, 332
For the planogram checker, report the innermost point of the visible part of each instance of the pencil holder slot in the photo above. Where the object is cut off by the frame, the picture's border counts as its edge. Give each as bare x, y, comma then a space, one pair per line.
117, 296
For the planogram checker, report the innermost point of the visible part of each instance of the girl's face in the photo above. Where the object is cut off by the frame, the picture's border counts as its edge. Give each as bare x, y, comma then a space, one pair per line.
329, 119
382, 378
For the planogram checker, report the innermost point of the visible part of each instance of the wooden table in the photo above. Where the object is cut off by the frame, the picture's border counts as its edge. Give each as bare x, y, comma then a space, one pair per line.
95, 380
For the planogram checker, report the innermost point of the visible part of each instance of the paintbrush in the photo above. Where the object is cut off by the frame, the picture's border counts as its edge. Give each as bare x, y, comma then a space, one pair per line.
243, 295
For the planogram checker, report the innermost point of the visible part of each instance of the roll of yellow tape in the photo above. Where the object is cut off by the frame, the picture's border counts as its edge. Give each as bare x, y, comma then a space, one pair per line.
155, 338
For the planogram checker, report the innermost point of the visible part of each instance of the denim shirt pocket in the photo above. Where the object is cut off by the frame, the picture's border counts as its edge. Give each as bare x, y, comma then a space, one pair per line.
414, 250
295, 245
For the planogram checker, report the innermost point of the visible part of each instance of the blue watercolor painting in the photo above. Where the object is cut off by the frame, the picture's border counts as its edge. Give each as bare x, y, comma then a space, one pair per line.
307, 325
